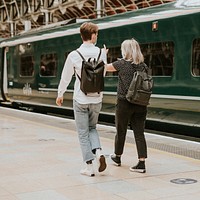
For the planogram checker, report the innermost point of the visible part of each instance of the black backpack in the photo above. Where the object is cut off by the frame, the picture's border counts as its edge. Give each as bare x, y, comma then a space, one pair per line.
92, 75
140, 89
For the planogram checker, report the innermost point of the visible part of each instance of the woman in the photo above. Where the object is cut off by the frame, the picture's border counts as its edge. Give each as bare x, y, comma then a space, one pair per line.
126, 112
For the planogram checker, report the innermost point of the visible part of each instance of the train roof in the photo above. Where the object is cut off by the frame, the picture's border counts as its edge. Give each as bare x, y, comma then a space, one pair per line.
170, 10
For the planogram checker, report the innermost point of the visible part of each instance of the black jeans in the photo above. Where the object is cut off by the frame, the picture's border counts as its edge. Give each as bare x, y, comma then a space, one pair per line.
135, 115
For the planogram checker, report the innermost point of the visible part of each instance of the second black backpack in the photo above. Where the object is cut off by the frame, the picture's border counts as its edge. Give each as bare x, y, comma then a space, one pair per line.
140, 89
92, 75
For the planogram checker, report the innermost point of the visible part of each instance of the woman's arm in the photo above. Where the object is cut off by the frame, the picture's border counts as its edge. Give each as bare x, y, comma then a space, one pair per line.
110, 68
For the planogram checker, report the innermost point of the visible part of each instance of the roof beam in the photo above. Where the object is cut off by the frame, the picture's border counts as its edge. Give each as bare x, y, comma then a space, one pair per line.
42, 12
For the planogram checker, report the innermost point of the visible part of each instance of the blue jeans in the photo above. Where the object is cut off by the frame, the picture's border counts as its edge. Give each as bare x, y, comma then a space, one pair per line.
86, 118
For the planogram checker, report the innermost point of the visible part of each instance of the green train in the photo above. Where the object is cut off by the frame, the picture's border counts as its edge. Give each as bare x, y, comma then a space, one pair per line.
169, 35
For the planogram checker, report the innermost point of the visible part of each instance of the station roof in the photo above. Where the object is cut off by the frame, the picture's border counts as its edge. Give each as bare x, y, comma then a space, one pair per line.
19, 15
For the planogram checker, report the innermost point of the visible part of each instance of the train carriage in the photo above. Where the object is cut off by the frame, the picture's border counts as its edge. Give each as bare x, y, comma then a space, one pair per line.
169, 36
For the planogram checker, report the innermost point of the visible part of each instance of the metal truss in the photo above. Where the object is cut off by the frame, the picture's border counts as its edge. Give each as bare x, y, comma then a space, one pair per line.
21, 15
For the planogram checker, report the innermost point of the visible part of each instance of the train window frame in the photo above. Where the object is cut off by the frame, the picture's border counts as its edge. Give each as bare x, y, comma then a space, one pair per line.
26, 67
195, 68
47, 69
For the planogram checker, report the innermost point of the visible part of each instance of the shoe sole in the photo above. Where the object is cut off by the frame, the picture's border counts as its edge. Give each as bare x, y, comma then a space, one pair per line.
138, 170
102, 162
116, 163
85, 174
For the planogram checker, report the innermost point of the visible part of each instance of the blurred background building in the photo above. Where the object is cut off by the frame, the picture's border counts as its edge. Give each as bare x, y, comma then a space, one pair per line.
17, 16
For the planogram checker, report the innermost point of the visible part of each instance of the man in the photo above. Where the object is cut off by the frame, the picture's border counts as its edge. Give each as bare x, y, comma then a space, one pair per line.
86, 107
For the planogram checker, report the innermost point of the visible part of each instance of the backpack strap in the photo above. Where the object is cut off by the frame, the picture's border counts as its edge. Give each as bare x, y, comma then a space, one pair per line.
84, 58
141, 67
74, 67
99, 55
77, 74
80, 55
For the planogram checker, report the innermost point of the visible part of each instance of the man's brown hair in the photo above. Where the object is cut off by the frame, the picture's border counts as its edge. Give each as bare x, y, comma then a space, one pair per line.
87, 29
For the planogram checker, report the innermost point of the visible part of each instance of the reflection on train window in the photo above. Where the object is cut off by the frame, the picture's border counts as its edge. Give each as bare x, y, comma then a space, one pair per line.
26, 65
113, 54
48, 64
196, 58
24, 48
159, 57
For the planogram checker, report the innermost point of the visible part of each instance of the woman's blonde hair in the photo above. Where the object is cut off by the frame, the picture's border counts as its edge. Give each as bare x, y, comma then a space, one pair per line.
131, 51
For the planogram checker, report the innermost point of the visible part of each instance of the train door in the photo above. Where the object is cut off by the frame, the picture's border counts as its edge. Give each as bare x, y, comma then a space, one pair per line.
1, 77
5, 79
3, 74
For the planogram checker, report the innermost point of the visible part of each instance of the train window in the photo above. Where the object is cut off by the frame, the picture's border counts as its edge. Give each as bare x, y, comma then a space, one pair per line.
26, 65
113, 54
48, 64
196, 58
159, 57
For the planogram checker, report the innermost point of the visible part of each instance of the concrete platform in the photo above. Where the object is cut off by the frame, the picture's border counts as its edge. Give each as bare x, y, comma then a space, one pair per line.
40, 159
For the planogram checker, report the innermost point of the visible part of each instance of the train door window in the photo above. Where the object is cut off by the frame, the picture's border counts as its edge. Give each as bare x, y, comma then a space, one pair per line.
159, 57
48, 64
8, 62
196, 58
26, 65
